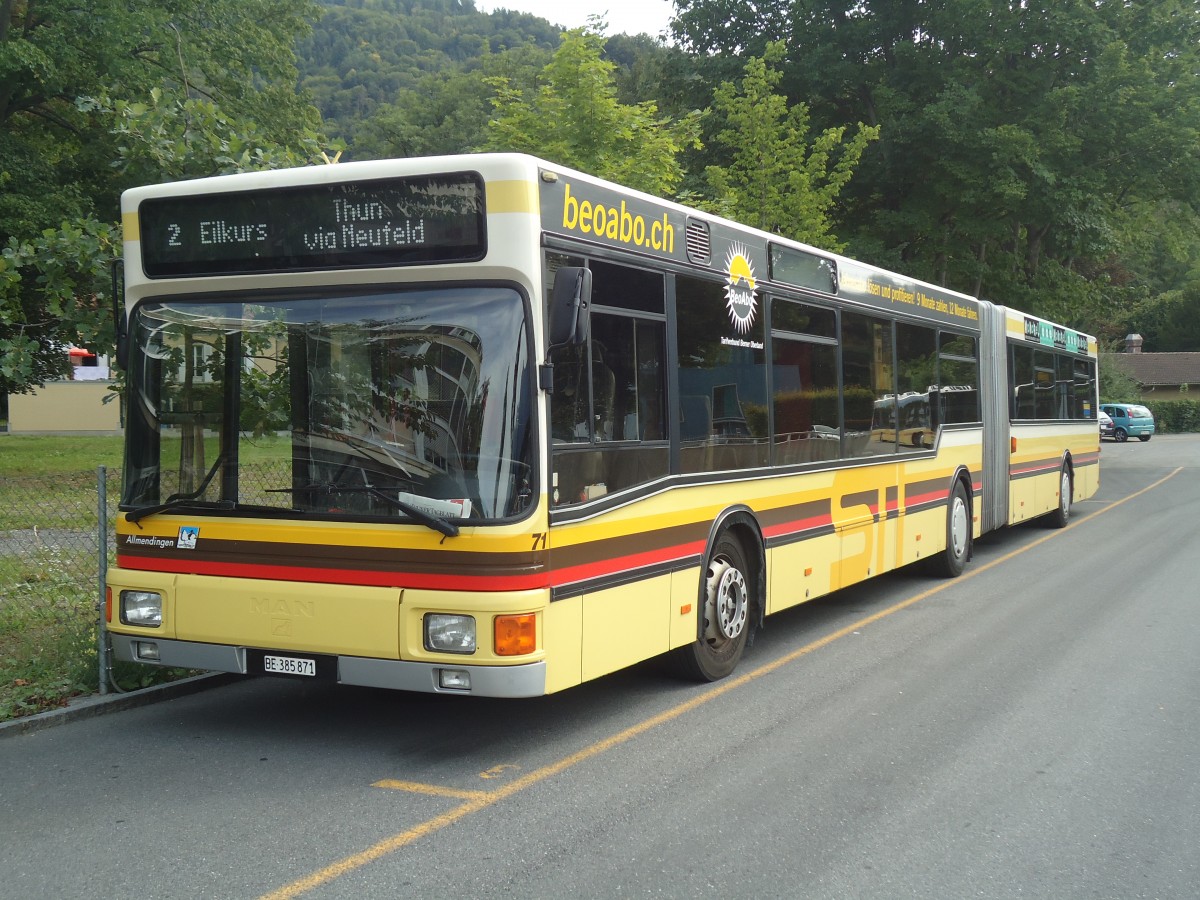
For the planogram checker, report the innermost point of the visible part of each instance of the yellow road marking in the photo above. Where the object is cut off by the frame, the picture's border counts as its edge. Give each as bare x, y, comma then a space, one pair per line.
498, 771
415, 787
480, 800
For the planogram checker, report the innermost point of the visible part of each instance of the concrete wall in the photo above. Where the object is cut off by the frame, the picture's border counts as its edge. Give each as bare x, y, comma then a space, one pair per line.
66, 407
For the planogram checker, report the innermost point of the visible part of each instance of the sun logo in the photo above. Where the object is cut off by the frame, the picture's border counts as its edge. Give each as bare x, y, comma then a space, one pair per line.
740, 287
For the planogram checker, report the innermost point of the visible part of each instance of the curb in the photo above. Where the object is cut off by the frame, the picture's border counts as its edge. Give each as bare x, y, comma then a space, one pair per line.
98, 705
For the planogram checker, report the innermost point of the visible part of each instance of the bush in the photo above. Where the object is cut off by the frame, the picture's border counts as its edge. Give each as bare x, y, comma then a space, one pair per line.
1174, 416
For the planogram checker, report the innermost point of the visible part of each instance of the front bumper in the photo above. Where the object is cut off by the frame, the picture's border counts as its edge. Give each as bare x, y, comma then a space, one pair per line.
526, 680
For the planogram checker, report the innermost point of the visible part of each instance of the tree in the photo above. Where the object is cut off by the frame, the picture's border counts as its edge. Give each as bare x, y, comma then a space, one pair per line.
55, 286
54, 155
188, 77
52, 292
448, 111
1019, 140
1116, 384
171, 138
775, 179
573, 117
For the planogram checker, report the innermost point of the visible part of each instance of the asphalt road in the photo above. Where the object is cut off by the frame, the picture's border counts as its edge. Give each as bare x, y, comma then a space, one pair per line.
1027, 730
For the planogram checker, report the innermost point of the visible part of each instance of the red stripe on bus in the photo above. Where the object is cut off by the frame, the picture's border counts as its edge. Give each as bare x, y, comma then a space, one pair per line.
798, 526
1026, 470
921, 499
433, 581
600, 568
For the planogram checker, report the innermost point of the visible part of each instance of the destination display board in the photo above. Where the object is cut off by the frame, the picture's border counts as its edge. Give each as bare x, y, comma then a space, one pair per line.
1047, 334
386, 222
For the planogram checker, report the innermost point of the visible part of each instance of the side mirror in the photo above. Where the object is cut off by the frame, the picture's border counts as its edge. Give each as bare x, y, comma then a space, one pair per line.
120, 324
569, 302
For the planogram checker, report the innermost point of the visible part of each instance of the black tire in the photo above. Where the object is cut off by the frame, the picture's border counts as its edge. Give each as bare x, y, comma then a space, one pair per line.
727, 605
1143, 438
1120, 436
1062, 515
951, 561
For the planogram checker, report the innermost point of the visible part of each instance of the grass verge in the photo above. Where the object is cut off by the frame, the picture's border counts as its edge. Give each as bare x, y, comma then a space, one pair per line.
49, 555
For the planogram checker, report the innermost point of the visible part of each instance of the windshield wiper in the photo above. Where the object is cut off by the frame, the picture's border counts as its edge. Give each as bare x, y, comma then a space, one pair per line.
441, 526
449, 529
192, 503
192, 500
184, 499
173, 502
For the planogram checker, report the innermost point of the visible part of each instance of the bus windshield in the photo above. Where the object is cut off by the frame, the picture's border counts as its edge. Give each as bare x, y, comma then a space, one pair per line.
395, 404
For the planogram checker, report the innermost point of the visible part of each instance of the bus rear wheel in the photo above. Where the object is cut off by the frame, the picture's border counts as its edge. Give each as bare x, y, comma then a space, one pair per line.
951, 561
1062, 515
726, 616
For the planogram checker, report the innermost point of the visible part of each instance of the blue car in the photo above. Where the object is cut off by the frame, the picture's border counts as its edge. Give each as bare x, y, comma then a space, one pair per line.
1130, 420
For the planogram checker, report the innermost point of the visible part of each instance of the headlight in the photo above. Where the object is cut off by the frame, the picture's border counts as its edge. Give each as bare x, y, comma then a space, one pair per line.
141, 608
447, 633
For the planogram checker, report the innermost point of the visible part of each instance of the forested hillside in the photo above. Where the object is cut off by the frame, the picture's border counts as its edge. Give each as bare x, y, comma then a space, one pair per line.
362, 54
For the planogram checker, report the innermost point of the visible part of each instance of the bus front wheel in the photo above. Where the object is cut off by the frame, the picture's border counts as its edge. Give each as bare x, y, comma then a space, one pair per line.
726, 616
951, 561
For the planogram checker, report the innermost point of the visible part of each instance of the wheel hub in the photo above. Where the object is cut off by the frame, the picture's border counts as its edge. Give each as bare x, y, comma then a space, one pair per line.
728, 599
959, 528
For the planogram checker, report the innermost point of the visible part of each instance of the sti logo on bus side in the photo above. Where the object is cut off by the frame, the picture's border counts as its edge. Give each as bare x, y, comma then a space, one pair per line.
617, 224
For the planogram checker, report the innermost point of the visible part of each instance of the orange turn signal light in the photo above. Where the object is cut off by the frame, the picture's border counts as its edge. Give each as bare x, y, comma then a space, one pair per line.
516, 635
107, 604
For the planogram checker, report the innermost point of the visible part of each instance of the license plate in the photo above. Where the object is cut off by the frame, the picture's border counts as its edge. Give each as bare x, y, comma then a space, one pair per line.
289, 665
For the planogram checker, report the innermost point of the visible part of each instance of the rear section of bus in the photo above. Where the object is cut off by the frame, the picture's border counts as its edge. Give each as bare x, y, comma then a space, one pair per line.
1041, 436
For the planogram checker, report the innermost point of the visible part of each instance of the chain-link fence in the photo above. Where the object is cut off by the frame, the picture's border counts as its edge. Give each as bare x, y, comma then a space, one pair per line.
56, 541
54, 548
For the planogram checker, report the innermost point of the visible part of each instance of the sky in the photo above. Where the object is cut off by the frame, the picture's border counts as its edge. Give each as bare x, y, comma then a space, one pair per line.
623, 16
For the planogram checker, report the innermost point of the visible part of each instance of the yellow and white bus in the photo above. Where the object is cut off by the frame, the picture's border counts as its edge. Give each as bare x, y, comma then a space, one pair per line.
485, 425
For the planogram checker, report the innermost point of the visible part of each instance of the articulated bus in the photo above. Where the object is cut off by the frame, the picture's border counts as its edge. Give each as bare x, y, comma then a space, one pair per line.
484, 425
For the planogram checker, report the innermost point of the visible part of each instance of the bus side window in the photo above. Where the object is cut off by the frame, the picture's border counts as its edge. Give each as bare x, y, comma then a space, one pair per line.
916, 359
868, 385
723, 409
570, 402
1084, 405
807, 414
611, 400
958, 379
1047, 391
1022, 381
